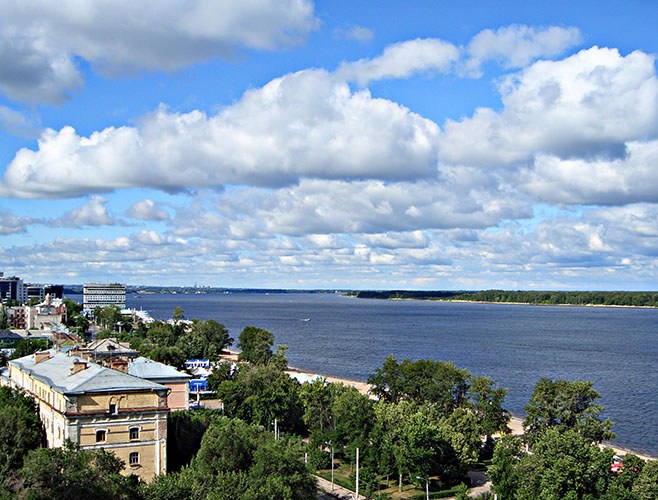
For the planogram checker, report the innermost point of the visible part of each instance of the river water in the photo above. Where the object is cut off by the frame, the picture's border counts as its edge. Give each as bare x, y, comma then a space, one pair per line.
616, 348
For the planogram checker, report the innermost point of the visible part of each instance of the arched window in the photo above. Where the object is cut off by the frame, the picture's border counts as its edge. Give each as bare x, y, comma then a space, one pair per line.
101, 436
134, 433
133, 458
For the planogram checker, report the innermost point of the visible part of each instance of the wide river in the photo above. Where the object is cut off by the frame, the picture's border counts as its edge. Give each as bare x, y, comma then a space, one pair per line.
616, 348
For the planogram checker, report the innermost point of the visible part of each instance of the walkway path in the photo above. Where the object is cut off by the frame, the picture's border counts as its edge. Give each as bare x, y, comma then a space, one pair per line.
337, 491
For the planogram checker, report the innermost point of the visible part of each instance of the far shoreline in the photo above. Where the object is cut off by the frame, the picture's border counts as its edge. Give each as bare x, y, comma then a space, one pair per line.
489, 302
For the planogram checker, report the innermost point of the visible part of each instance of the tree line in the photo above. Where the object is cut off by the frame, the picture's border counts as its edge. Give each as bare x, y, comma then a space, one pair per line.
581, 298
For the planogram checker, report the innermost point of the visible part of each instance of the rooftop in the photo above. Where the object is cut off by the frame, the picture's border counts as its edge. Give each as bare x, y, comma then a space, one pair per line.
154, 370
56, 371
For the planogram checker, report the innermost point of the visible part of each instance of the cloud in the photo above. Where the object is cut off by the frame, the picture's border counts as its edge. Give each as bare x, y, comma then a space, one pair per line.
411, 239
16, 123
306, 124
358, 33
12, 224
92, 213
150, 238
364, 207
39, 43
402, 60
32, 70
587, 105
516, 46
630, 179
147, 210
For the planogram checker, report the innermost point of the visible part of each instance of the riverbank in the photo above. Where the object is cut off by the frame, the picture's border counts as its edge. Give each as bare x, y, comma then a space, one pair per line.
515, 425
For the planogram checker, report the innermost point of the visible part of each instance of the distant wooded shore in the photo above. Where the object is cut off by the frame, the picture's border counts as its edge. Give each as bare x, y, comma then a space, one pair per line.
556, 298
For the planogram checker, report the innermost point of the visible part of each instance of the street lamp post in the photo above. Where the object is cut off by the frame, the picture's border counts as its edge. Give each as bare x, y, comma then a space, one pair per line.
331, 446
427, 486
332, 467
357, 474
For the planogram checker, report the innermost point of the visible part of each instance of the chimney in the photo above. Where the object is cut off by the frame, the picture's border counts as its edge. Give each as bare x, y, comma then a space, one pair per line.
40, 356
78, 366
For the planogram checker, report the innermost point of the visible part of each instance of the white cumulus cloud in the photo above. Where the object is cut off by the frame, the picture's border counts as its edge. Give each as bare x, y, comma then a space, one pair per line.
92, 213
517, 46
402, 60
589, 104
306, 124
147, 210
632, 178
39, 41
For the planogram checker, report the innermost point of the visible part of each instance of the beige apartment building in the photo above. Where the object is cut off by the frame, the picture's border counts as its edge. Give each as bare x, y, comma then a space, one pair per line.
97, 407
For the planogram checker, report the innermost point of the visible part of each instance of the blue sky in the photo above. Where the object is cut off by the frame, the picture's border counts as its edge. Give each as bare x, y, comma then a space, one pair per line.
330, 144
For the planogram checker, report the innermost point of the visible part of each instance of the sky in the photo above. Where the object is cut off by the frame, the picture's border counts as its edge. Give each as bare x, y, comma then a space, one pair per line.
438, 145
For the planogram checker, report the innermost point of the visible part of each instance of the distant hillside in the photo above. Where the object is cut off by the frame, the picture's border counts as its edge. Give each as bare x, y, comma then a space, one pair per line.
632, 299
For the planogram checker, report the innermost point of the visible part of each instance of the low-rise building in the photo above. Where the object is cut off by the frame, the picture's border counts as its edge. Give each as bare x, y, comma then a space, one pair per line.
43, 316
97, 407
178, 382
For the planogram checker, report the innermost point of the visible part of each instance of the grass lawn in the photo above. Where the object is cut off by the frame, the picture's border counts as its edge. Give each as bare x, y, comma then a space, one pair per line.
342, 478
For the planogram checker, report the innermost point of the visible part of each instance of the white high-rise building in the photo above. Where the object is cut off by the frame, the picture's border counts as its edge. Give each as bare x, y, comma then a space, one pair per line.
103, 295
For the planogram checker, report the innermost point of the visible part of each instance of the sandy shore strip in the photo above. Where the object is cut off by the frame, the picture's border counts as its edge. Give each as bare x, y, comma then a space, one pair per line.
515, 424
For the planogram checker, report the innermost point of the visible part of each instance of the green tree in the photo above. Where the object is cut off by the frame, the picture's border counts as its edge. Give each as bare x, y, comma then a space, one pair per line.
72, 308
259, 394
566, 405
205, 340
486, 403
316, 398
185, 430
278, 472
221, 372
238, 461
228, 445
646, 485
425, 450
80, 325
169, 355
25, 347
386, 381
504, 471
21, 429
421, 381
563, 464
255, 345
108, 317
353, 418
388, 447
72, 473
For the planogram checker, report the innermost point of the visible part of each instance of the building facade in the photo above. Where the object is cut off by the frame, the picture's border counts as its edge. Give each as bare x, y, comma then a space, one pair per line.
97, 407
103, 295
12, 288
178, 382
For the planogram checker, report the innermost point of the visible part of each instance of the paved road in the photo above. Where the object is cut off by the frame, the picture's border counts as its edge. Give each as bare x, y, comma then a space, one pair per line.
337, 492
479, 484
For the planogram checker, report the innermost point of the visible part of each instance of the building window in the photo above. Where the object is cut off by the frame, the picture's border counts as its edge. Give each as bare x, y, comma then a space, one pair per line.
134, 458
134, 433
113, 408
101, 436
